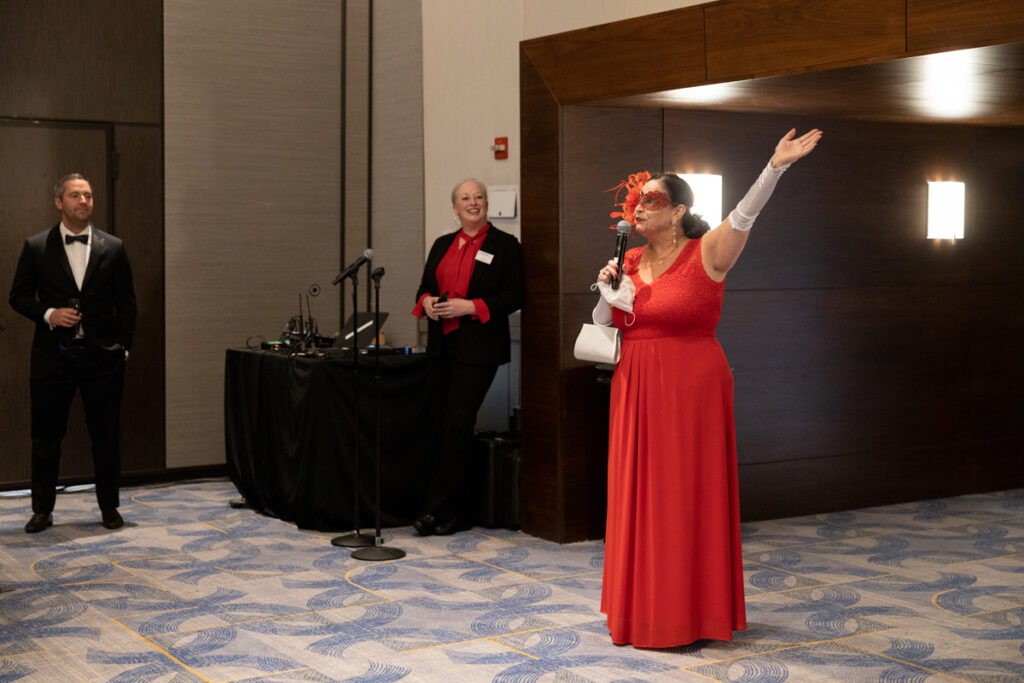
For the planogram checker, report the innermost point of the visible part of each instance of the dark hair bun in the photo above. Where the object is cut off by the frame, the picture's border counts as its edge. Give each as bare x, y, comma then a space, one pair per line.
694, 224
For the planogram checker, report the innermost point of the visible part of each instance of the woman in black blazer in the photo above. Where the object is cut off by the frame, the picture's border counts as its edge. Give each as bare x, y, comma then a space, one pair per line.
472, 281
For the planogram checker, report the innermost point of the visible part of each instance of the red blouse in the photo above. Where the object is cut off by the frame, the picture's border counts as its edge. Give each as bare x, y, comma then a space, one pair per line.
453, 274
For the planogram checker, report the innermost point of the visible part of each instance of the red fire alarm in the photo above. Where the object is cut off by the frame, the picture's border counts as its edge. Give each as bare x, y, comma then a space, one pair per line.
500, 148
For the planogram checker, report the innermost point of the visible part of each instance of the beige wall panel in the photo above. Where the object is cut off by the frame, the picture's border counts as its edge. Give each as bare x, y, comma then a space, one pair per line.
252, 138
543, 17
397, 215
470, 96
471, 84
357, 112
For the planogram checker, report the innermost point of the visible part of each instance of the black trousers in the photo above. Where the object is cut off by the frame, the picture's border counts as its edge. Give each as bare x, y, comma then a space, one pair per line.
457, 390
101, 389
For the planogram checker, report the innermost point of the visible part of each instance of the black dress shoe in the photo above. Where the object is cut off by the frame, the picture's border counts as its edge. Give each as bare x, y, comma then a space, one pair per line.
447, 527
112, 519
425, 524
38, 522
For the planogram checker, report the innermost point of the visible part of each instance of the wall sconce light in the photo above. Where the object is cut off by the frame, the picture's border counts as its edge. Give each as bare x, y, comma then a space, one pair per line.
707, 196
945, 210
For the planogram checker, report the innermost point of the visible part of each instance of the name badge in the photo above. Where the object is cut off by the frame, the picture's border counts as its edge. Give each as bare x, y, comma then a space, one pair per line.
484, 257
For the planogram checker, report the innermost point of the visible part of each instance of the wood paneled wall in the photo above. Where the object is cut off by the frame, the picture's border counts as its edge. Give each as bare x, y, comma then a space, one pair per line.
867, 368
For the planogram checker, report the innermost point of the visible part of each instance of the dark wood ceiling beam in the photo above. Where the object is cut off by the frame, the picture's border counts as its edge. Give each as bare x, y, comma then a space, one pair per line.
602, 61
743, 39
765, 37
940, 25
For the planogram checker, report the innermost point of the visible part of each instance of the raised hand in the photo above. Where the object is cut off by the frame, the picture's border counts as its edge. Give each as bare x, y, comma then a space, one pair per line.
791, 148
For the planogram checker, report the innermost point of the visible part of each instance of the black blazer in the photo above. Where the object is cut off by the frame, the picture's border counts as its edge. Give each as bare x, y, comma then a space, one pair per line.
499, 283
43, 280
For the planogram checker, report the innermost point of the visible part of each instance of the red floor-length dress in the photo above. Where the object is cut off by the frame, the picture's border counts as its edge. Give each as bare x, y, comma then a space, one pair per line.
673, 570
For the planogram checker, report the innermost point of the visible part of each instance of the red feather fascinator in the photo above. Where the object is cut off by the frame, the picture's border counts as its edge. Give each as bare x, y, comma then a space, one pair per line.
631, 186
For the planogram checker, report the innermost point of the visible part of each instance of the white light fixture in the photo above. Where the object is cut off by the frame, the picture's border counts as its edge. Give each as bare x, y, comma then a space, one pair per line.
949, 83
707, 196
715, 93
945, 210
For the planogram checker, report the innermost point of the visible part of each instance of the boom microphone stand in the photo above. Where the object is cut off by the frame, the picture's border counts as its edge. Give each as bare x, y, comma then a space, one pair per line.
379, 551
356, 539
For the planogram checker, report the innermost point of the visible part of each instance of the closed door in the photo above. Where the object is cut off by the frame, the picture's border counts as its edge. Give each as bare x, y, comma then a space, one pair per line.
34, 156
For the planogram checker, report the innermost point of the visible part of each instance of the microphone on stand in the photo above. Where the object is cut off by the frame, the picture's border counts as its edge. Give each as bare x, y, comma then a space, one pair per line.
622, 231
354, 266
378, 551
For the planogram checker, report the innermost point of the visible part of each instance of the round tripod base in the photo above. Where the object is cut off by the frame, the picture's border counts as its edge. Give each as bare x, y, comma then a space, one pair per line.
378, 553
353, 540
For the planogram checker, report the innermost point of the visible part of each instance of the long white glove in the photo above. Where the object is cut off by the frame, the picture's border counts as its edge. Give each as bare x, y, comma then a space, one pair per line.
743, 216
602, 314
621, 298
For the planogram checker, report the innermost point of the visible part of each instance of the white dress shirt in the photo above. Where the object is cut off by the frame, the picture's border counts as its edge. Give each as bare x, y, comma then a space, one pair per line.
78, 257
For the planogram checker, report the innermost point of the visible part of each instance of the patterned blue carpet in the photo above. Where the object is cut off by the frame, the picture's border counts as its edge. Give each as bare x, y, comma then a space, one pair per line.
193, 590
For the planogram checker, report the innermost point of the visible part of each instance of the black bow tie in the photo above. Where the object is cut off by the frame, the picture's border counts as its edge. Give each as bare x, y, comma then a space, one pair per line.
71, 239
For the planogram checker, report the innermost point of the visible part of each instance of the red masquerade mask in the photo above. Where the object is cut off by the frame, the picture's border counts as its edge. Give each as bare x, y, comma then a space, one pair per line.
653, 201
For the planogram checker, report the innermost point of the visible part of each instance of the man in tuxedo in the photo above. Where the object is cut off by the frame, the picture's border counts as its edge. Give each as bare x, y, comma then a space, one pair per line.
74, 282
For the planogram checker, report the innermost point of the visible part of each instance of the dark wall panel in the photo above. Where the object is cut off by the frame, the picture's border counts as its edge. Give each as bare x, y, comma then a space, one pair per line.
83, 91
44, 152
541, 493
82, 61
824, 372
601, 147
139, 194
854, 339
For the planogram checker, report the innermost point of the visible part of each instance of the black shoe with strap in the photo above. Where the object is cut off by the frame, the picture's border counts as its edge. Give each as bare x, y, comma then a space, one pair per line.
449, 526
424, 525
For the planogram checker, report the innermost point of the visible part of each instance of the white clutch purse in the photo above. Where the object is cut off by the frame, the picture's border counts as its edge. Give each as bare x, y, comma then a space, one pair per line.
598, 344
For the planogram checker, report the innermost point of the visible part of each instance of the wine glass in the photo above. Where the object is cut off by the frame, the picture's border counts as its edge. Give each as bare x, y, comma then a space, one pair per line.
74, 303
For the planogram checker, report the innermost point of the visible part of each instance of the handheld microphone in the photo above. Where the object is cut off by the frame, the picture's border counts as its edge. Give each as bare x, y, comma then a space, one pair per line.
377, 273
622, 231
354, 266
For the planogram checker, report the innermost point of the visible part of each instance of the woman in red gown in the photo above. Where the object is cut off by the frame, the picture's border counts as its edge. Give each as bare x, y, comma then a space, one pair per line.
673, 568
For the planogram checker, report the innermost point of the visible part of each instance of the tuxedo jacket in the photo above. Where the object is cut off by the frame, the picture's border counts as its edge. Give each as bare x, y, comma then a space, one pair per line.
43, 280
500, 285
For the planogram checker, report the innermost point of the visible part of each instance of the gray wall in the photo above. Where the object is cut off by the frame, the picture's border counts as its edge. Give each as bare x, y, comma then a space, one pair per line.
252, 138
257, 95
397, 216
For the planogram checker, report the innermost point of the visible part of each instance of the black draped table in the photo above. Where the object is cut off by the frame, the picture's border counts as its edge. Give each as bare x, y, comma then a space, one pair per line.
289, 427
